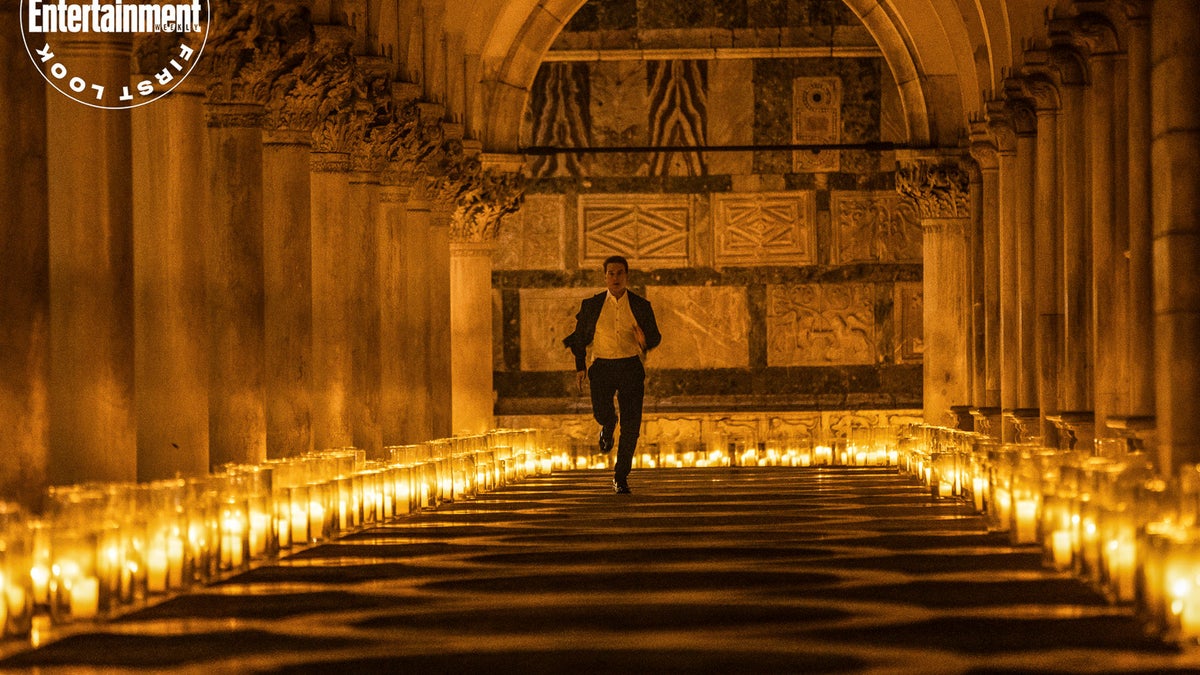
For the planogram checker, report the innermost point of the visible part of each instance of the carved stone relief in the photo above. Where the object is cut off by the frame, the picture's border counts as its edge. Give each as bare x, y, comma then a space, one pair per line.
548, 316
673, 429
794, 426
909, 322
820, 325
532, 238
765, 228
874, 227
702, 327
816, 118
649, 229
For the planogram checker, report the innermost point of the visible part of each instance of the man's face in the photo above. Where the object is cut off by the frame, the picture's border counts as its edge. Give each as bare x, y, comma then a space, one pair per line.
615, 278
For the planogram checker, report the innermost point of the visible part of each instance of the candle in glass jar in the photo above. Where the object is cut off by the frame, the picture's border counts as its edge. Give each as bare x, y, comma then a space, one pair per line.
823, 454
156, 569
260, 525
1060, 542
1026, 521
84, 597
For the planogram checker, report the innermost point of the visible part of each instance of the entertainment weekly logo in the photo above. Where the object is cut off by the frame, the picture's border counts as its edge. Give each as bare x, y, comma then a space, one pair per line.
62, 38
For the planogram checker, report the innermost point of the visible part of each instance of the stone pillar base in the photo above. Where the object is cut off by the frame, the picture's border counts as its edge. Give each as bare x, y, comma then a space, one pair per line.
1076, 429
1021, 424
988, 421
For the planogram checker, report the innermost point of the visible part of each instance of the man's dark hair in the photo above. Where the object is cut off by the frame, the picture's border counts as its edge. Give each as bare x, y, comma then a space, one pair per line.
619, 259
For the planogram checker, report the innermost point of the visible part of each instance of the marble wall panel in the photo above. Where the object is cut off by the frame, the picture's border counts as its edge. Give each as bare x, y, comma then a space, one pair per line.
651, 230
548, 316
874, 227
730, 115
702, 327
765, 228
677, 112
816, 118
557, 116
532, 238
909, 322
793, 426
820, 325
618, 115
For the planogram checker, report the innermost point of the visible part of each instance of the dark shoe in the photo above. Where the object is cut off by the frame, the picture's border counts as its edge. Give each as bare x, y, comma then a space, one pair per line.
621, 487
606, 439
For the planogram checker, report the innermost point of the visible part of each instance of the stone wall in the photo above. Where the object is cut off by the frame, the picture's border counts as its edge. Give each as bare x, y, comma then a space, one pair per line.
783, 280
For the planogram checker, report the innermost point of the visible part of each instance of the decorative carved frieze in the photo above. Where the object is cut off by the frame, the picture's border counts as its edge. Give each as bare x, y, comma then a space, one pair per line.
820, 324
940, 187
646, 228
765, 228
874, 227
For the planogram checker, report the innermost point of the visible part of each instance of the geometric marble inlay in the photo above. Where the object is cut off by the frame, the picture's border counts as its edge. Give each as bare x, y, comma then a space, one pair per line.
548, 316
702, 326
532, 237
816, 118
645, 228
763, 228
874, 227
820, 324
909, 321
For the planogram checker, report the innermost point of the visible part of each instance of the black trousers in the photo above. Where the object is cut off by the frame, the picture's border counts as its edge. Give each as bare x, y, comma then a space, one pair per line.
626, 378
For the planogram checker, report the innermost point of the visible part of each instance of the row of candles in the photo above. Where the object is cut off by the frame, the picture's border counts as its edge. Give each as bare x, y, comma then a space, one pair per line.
861, 447
101, 549
1102, 513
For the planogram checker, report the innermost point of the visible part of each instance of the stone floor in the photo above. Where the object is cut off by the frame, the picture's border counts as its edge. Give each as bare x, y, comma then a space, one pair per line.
763, 570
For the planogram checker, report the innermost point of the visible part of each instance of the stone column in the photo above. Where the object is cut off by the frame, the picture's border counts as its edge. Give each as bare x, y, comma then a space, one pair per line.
1026, 265
1006, 271
362, 243
24, 287
332, 258
939, 186
495, 191
441, 398
1110, 272
287, 269
234, 268
1141, 368
1175, 155
1047, 261
93, 430
471, 335
416, 321
393, 313
170, 310
987, 156
1075, 372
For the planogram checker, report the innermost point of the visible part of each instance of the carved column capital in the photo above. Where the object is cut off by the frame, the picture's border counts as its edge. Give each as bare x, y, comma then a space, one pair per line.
984, 147
939, 185
233, 114
250, 45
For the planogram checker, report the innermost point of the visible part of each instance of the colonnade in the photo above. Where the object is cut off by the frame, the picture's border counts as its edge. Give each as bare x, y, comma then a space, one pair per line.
1082, 300
253, 267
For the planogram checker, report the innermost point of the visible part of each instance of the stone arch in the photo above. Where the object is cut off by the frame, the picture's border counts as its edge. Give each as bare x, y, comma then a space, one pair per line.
928, 51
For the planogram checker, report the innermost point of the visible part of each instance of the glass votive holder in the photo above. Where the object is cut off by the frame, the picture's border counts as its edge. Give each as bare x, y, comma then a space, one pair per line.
16, 562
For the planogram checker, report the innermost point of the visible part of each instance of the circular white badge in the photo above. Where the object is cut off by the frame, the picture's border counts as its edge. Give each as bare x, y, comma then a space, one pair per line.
66, 39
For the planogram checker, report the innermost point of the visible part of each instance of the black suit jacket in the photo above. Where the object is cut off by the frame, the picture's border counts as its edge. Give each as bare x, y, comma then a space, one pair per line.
589, 314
